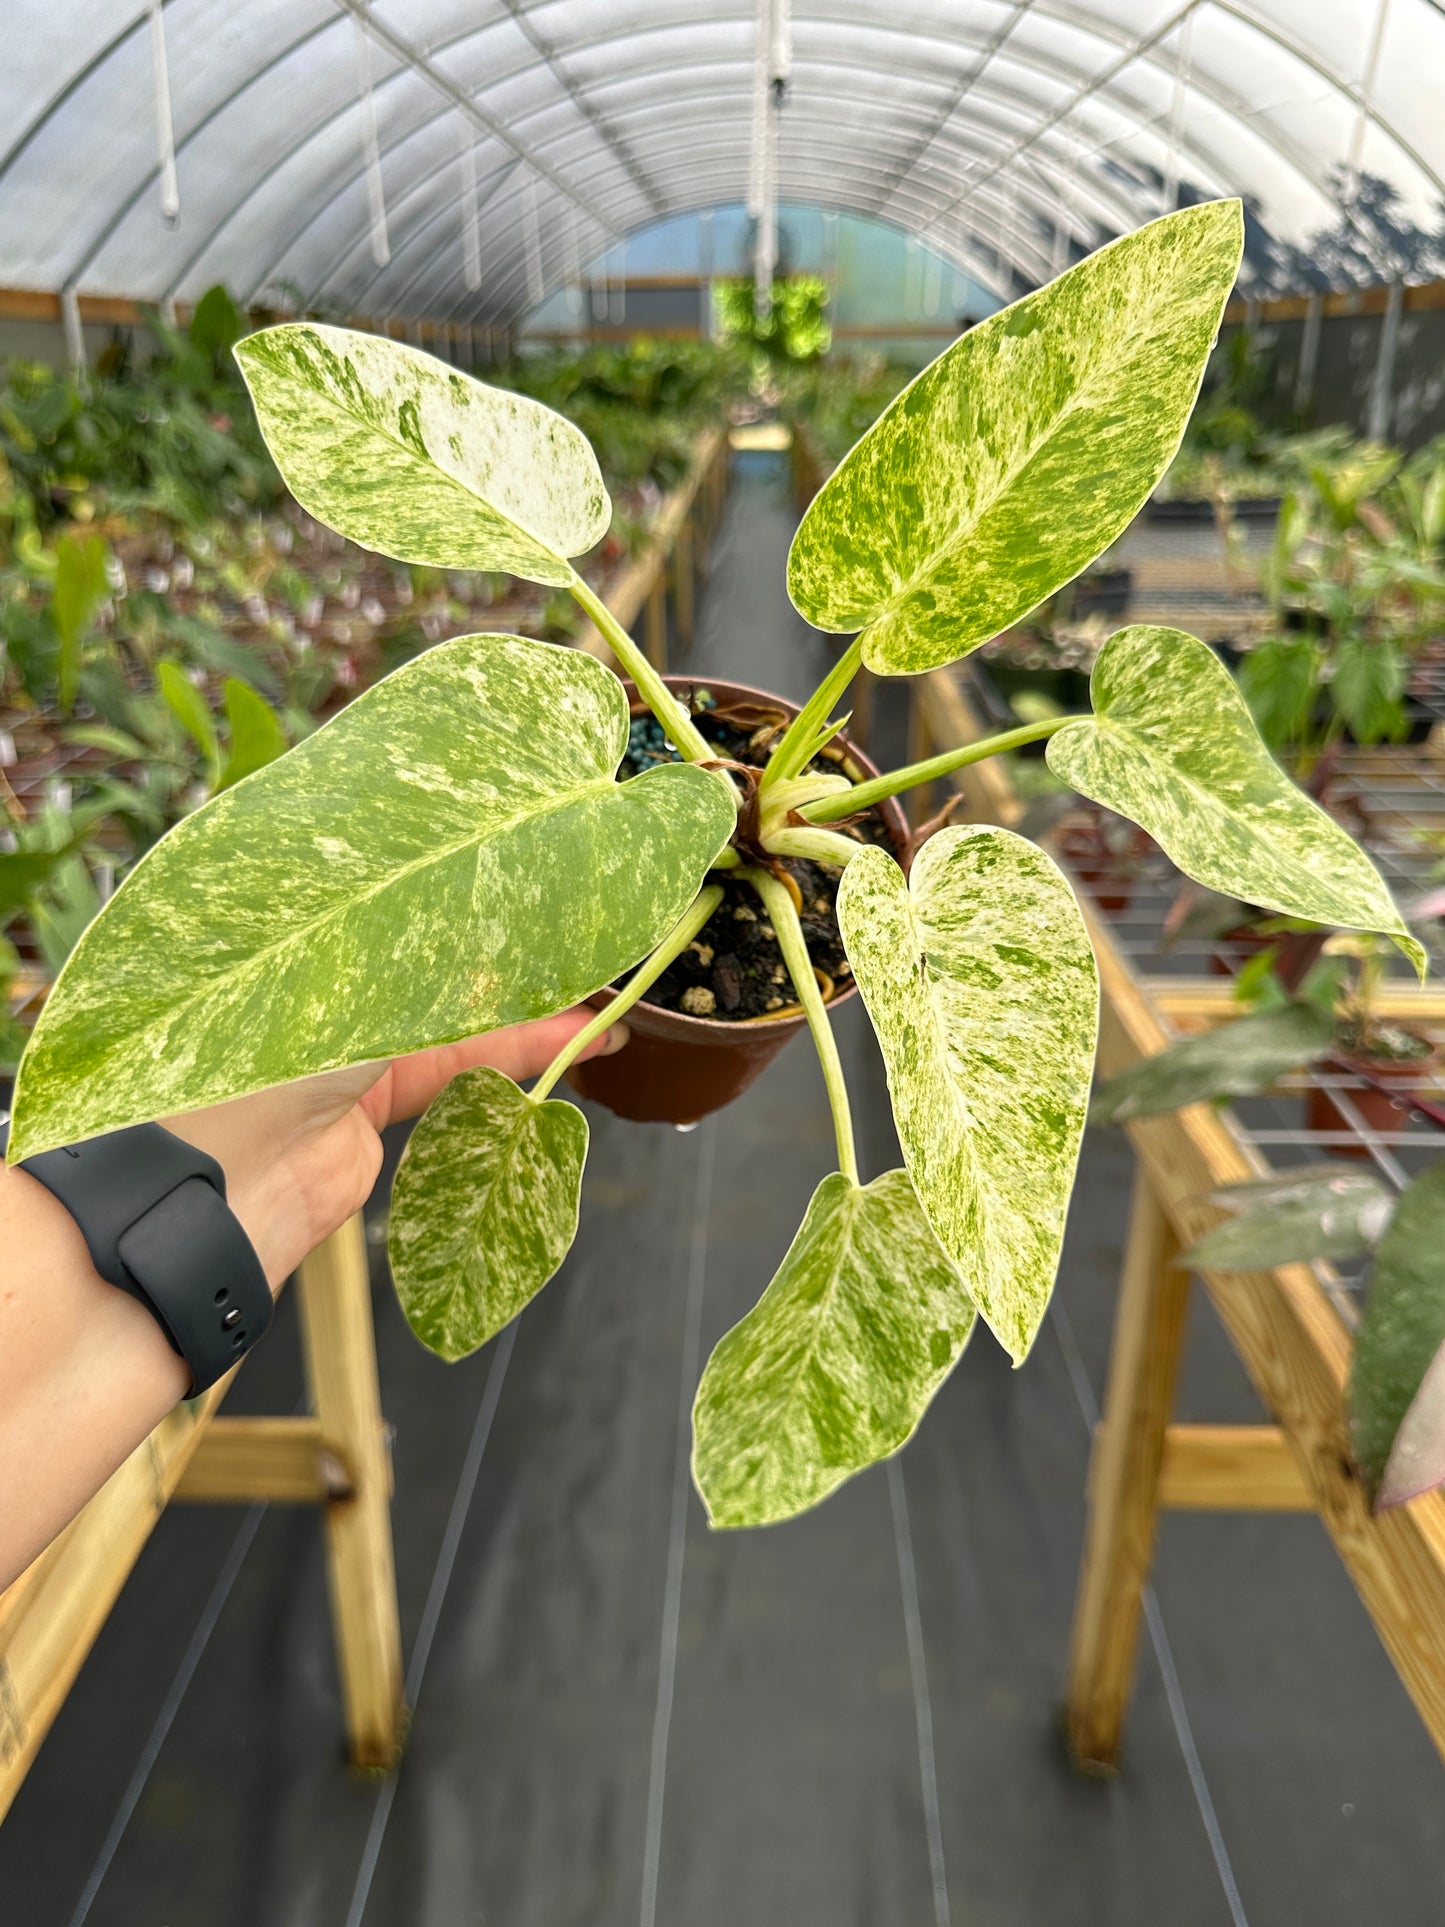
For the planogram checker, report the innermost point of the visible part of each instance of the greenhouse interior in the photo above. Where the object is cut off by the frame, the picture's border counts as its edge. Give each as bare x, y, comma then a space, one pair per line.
722, 910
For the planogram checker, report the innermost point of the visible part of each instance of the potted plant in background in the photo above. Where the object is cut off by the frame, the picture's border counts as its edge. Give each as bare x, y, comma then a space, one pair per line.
463, 819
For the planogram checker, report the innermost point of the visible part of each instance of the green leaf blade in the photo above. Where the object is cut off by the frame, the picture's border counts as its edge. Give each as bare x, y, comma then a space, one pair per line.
1293, 1217
1172, 746
1397, 1387
836, 1364
944, 525
257, 737
449, 854
408, 456
981, 985
484, 1208
1237, 1059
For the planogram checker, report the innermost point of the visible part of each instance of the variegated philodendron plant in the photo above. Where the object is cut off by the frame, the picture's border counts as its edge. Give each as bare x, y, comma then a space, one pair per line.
454, 852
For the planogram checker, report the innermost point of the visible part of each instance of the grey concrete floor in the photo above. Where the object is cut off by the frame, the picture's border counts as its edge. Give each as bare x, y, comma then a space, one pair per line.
625, 1721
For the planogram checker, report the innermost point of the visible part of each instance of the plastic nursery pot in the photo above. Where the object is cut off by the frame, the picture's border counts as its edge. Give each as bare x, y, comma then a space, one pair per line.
1381, 1110
678, 1068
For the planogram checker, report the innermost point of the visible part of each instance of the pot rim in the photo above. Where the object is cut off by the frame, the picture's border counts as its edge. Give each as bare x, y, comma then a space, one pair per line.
718, 1028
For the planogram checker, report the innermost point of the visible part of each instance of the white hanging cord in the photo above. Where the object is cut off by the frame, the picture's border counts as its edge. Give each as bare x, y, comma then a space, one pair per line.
574, 262
532, 241
599, 290
471, 241
932, 277
371, 146
618, 310
1183, 52
165, 129
911, 278
772, 69
74, 332
1367, 98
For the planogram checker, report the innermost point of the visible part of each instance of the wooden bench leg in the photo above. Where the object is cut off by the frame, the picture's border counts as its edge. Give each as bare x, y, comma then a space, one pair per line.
654, 624
336, 1323
1124, 1482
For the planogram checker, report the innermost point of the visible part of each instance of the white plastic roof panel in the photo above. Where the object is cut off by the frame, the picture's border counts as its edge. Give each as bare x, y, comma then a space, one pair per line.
979, 125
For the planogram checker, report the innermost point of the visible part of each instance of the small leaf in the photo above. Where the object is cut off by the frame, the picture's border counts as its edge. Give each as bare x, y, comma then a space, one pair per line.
947, 522
835, 1365
409, 456
1397, 1385
217, 323
1312, 1211
1172, 746
1236, 1059
191, 711
484, 1208
1368, 684
23, 871
449, 853
81, 585
257, 737
981, 985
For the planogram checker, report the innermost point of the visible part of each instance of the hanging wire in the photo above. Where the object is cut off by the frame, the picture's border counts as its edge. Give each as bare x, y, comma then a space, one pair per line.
932, 277
471, 240
912, 280
165, 128
371, 145
574, 263
618, 310
1367, 98
532, 241
772, 69
1183, 54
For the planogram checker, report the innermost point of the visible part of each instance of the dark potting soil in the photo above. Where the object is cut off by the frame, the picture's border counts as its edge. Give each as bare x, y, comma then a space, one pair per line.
734, 968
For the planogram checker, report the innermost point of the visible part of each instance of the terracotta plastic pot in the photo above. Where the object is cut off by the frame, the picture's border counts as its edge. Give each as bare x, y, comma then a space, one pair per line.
1381, 1110
679, 1068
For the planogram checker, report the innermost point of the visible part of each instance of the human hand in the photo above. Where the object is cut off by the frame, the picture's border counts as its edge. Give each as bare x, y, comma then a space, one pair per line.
300, 1158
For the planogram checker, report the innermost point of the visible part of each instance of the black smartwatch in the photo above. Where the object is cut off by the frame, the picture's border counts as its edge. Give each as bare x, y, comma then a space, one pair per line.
153, 1211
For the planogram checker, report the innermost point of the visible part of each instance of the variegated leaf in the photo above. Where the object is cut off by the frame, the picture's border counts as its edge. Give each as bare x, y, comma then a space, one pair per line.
1397, 1382
1294, 1216
1236, 1059
835, 1365
1022, 452
483, 1209
407, 455
1172, 746
981, 985
450, 853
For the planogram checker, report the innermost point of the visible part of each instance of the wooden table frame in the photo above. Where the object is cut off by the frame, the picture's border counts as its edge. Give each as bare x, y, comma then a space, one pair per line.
1287, 1331
338, 1457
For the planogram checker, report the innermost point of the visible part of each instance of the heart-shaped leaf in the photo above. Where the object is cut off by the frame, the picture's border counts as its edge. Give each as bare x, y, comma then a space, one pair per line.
1397, 1384
1312, 1211
981, 985
484, 1208
1236, 1059
407, 455
450, 853
1022, 452
1172, 746
835, 1365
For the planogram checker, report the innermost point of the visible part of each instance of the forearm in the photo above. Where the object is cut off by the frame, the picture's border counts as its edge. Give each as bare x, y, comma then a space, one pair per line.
85, 1372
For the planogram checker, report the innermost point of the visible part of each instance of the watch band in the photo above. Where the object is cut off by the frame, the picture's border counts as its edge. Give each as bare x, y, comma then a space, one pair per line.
153, 1211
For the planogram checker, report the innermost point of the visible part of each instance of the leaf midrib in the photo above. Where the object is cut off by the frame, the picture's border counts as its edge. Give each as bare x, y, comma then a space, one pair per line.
339, 410
1132, 335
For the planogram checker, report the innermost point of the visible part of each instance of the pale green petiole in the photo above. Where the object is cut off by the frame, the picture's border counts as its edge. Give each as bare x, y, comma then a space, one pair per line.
784, 919
641, 980
691, 745
807, 732
818, 846
832, 809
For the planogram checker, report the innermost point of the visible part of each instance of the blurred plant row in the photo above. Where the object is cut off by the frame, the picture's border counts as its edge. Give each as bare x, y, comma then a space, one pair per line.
172, 620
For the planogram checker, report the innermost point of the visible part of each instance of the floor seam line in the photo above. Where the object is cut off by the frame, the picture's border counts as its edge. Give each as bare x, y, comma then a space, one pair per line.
431, 1612
677, 1529
1063, 1328
922, 1702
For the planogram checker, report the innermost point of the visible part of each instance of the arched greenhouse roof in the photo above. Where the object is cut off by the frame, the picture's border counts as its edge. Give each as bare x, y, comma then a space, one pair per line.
336, 150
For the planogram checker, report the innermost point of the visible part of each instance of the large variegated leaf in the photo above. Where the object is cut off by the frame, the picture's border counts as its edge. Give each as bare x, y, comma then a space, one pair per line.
1172, 746
835, 1365
409, 456
450, 853
981, 985
1022, 452
484, 1208
1236, 1059
1397, 1385
1312, 1211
